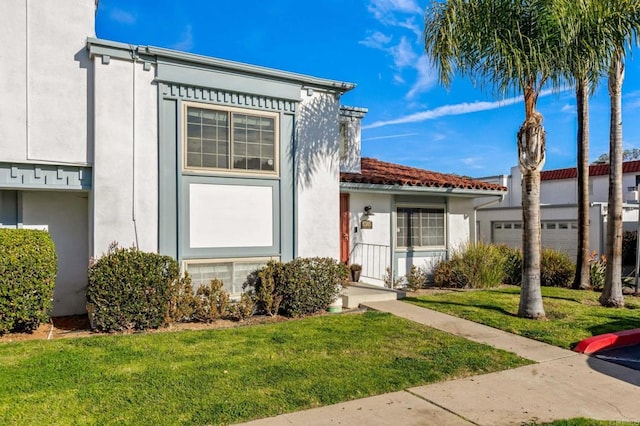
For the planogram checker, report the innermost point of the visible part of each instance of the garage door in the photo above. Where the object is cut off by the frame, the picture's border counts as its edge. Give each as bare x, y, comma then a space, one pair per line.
558, 235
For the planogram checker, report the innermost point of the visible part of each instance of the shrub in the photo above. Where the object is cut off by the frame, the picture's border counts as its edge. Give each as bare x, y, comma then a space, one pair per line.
629, 247
242, 309
264, 287
475, 265
131, 289
389, 281
28, 267
597, 269
212, 302
512, 264
302, 286
183, 302
556, 269
416, 278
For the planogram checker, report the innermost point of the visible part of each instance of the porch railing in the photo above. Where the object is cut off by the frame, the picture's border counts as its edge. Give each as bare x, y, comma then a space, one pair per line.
374, 258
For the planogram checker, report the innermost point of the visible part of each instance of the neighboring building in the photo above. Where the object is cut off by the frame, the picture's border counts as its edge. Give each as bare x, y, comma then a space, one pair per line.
400, 216
502, 222
219, 164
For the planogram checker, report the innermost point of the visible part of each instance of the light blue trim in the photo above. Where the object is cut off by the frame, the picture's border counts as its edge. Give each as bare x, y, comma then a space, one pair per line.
216, 80
288, 194
168, 178
186, 252
8, 209
45, 177
226, 97
98, 47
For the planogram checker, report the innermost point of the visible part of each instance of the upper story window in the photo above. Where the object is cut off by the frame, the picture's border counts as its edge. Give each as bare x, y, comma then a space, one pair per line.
219, 138
420, 227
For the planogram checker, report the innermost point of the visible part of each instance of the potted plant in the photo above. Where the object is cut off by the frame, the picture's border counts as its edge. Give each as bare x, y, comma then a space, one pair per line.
355, 272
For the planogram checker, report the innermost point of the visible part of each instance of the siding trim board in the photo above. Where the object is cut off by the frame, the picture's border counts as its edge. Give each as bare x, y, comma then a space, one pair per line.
45, 177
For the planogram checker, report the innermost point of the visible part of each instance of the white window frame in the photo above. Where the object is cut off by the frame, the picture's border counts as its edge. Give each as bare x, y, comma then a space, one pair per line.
230, 111
232, 261
422, 206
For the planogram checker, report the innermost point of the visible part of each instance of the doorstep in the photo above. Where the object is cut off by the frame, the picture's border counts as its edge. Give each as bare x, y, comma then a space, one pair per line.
357, 293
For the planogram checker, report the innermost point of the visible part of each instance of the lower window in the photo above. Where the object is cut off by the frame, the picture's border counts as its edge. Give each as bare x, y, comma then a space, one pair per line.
420, 227
232, 273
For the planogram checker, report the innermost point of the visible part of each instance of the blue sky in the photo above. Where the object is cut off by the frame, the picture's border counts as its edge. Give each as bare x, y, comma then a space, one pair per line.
376, 44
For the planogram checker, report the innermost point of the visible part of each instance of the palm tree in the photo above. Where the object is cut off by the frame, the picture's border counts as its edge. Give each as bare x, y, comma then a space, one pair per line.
622, 25
512, 46
586, 61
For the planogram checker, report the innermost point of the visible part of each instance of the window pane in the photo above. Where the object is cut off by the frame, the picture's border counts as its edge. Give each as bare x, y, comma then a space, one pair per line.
206, 138
402, 231
420, 227
259, 134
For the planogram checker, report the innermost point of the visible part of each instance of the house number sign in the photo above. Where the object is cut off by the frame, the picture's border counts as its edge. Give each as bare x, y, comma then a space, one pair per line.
366, 224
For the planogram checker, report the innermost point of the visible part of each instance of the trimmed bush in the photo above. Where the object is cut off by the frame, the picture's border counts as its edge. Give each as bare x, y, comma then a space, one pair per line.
475, 265
556, 269
512, 264
131, 289
416, 278
28, 267
303, 286
263, 281
212, 302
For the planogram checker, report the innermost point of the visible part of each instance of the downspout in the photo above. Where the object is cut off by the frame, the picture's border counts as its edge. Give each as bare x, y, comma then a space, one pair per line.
475, 212
134, 57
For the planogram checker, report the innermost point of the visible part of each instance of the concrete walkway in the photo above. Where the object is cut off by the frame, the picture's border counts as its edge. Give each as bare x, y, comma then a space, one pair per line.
561, 385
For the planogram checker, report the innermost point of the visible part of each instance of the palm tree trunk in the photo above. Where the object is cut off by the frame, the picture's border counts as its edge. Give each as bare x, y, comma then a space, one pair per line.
581, 280
612, 292
531, 156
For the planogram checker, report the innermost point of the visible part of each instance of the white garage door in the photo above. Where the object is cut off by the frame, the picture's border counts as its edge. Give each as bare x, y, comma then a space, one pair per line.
558, 235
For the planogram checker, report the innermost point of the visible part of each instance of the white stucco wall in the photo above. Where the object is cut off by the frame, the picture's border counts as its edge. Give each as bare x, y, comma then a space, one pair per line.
459, 226
64, 215
43, 117
317, 175
122, 194
371, 248
350, 160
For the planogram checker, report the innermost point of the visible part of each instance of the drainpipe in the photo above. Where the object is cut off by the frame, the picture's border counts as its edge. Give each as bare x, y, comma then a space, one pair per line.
134, 57
475, 212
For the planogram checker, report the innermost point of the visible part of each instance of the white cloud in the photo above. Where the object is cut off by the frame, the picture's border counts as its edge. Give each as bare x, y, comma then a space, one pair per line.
377, 40
444, 111
389, 137
122, 16
448, 110
381, 8
568, 108
185, 43
403, 54
426, 79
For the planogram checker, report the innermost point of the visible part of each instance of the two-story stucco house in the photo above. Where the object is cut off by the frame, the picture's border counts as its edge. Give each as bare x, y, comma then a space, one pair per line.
219, 164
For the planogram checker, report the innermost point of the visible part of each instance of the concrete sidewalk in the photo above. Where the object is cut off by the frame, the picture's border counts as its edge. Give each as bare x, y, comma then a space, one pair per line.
561, 385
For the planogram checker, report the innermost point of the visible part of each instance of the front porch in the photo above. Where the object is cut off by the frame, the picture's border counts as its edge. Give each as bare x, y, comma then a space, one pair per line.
358, 293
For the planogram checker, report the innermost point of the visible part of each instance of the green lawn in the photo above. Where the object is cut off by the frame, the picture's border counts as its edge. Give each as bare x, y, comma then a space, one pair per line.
581, 421
233, 375
572, 315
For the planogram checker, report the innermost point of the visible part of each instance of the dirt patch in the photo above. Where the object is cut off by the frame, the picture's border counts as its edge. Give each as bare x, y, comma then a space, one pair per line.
78, 326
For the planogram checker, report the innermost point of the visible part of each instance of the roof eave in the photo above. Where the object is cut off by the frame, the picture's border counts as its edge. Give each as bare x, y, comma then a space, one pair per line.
405, 189
123, 50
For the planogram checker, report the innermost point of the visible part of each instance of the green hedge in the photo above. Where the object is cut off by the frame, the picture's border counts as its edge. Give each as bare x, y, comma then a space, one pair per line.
300, 287
28, 267
131, 289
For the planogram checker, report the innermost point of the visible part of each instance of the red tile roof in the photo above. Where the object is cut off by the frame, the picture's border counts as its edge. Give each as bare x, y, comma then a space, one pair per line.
594, 170
383, 173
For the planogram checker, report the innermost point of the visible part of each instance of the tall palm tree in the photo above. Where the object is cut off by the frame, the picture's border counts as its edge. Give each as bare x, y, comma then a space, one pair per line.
586, 58
622, 25
512, 46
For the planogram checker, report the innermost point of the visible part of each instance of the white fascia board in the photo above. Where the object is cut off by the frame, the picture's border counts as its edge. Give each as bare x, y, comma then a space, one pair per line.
423, 190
